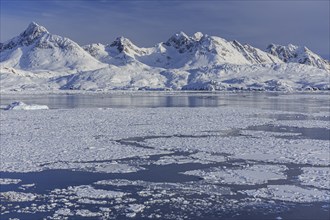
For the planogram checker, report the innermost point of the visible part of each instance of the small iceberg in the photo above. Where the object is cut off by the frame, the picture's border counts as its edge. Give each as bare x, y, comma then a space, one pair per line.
23, 106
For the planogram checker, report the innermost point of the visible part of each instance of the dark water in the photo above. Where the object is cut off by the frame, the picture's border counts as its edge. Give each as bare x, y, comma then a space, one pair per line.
48, 180
305, 133
297, 106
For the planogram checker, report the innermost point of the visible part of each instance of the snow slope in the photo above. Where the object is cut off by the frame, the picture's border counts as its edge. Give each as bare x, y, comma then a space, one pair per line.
39, 60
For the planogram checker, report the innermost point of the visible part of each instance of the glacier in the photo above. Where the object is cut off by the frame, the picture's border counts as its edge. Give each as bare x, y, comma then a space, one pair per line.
37, 60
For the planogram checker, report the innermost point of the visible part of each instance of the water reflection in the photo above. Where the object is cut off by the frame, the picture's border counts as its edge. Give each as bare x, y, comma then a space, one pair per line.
270, 101
117, 101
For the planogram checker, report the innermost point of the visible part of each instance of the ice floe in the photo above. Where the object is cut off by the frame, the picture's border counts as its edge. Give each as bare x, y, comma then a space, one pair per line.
133, 209
165, 160
13, 196
290, 193
169, 189
91, 201
303, 123
200, 157
87, 213
63, 211
256, 174
268, 148
6, 181
23, 106
316, 176
86, 191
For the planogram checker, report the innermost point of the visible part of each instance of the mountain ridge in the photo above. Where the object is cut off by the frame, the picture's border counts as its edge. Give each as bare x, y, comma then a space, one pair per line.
194, 62
298, 54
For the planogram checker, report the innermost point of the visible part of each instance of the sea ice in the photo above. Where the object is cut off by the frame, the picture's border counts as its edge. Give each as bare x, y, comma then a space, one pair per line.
133, 209
91, 201
290, 193
23, 106
60, 139
87, 213
165, 160
92, 193
63, 212
124, 140
263, 134
63, 138
208, 157
169, 189
13, 196
268, 148
252, 175
200, 157
85, 139
316, 176
6, 181
303, 123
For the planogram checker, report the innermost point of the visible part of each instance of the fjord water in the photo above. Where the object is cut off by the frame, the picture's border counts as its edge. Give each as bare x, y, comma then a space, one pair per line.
292, 107
276, 101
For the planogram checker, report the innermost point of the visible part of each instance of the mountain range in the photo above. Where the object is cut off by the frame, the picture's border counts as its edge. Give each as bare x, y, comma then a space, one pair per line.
39, 60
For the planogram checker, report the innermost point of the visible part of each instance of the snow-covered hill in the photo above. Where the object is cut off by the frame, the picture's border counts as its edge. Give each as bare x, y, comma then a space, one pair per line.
39, 60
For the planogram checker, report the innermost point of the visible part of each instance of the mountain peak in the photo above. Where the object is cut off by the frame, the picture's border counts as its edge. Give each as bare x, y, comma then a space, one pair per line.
180, 41
121, 43
178, 37
197, 36
125, 46
297, 54
292, 47
181, 34
34, 30
289, 47
36, 27
27, 37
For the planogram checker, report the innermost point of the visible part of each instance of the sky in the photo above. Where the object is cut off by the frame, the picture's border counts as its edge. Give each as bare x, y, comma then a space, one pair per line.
147, 22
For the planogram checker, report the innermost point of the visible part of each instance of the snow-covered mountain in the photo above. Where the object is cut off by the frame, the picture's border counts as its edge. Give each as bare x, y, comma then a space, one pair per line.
39, 60
182, 51
37, 50
296, 54
119, 52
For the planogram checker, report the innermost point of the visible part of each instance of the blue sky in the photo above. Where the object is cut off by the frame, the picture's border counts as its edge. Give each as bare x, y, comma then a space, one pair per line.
147, 22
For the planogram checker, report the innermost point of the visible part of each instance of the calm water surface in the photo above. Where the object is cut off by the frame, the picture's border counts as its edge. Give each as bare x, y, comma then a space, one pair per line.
276, 101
